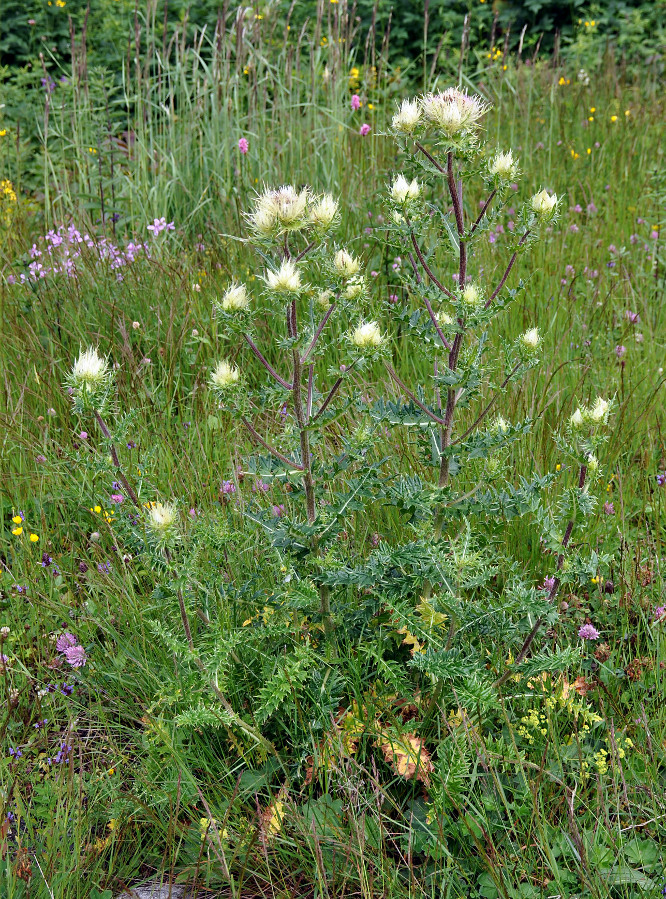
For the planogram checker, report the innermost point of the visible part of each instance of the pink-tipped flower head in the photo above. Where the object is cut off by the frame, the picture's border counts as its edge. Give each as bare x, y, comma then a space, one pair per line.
243, 145
355, 102
364, 130
588, 632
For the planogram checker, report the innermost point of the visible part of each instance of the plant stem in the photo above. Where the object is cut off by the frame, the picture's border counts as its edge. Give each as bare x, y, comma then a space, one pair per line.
302, 422
116, 461
268, 447
265, 363
413, 398
525, 648
507, 272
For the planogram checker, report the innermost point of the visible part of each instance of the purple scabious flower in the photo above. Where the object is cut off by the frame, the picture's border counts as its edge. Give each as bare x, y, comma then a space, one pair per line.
588, 632
76, 656
65, 641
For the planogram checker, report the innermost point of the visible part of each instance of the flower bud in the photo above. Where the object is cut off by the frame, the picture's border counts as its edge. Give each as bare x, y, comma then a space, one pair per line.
354, 287
531, 339
325, 298
286, 280
592, 462
367, 336
599, 412
324, 212
501, 425
577, 420
235, 298
345, 264
504, 166
443, 318
544, 204
224, 376
403, 190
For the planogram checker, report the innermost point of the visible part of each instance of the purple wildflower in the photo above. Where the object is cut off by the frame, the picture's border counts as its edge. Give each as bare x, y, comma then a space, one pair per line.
228, 487
46, 560
15, 753
364, 130
243, 145
278, 511
117, 498
661, 479
632, 317
355, 102
65, 641
76, 656
548, 584
609, 509
591, 208
588, 632
620, 351
659, 613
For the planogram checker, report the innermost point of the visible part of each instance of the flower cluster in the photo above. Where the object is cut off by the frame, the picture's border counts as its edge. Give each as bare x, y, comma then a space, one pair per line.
286, 209
73, 651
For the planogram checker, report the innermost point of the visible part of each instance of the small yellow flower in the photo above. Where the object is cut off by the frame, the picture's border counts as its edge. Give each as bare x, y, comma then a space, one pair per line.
593, 108
17, 519
558, 467
97, 509
3, 132
589, 150
17, 532
613, 118
590, 118
34, 538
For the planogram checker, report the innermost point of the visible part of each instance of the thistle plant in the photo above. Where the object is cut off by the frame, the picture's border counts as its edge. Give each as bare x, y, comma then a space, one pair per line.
308, 281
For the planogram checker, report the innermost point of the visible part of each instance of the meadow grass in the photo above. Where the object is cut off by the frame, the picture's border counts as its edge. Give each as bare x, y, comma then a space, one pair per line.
128, 798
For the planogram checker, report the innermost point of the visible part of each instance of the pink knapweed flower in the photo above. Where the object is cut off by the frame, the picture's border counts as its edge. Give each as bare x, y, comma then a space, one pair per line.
588, 632
364, 130
117, 498
609, 509
243, 145
355, 102
620, 351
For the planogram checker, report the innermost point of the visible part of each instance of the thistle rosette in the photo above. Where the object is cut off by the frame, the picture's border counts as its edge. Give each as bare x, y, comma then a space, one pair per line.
90, 381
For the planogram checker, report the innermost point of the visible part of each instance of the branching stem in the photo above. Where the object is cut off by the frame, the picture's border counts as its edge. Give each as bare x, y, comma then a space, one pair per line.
116, 461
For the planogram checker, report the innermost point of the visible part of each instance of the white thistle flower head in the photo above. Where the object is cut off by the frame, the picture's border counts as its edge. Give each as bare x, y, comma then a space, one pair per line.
471, 295
592, 462
354, 288
407, 117
367, 336
398, 217
90, 370
504, 166
599, 412
286, 280
531, 339
324, 212
235, 298
325, 298
544, 204
345, 264
453, 111
443, 318
577, 419
284, 209
161, 521
224, 376
403, 190
501, 425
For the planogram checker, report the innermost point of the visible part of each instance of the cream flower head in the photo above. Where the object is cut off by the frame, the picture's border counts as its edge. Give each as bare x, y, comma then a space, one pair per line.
544, 204
286, 280
531, 339
403, 190
224, 376
367, 336
90, 370
324, 212
345, 264
504, 166
235, 298
599, 412
453, 111
407, 117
